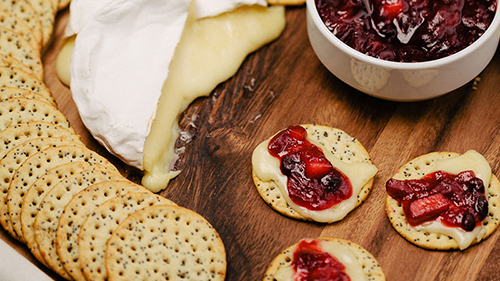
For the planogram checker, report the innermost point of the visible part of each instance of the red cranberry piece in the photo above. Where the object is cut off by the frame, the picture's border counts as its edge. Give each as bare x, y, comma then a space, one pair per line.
310, 263
426, 209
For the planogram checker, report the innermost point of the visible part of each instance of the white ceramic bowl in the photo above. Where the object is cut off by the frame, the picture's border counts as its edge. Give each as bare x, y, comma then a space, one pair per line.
395, 80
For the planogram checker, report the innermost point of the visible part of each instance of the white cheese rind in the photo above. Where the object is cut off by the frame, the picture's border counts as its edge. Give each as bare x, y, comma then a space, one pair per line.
267, 168
118, 67
210, 8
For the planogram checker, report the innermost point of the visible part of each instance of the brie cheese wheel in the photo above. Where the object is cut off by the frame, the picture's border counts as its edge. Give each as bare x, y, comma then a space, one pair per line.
124, 53
469, 161
119, 63
267, 168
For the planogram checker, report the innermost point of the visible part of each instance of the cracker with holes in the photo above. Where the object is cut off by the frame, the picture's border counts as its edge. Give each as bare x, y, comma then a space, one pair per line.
12, 22
344, 259
74, 215
98, 227
165, 243
46, 12
19, 110
35, 195
23, 10
313, 172
22, 132
17, 78
16, 46
13, 93
9, 165
52, 207
9, 61
444, 200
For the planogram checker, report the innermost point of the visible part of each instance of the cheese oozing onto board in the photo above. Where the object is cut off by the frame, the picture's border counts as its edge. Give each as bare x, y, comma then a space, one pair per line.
341, 252
267, 168
470, 160
124, 53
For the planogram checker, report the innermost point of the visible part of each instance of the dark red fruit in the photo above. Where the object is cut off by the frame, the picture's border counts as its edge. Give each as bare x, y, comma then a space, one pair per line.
310, 263
312, 182
456, 200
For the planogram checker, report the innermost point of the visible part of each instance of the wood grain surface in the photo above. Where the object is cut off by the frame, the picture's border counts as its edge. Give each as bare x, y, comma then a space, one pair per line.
285, 84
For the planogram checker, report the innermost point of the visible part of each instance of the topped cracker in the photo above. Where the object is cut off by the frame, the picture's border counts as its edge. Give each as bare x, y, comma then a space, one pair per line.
18, 110
98, 227
76, 212
282, 265
419, 167
165, 243
341, 145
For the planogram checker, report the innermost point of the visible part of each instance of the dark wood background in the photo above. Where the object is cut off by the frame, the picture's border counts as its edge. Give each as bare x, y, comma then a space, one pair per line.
284, 84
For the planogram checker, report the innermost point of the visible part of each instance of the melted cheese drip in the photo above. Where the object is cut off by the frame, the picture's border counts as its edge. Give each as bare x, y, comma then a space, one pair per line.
267, 168
470, 160
341, 252
211, 51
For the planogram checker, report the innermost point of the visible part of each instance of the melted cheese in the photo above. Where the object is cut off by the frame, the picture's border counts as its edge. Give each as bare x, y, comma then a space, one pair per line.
470, 160
341, 252
211, 51
267, 168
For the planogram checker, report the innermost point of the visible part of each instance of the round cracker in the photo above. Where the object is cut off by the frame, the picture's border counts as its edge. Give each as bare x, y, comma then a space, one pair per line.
18, 110
15, 135
9, 165
74, 215
8, 61
417, 168
17, 78
53, 205
98, 227
345, 147
165, 243
370, 266
14, 45
46, 11
35, 195
11, 21
11, 92
23, 10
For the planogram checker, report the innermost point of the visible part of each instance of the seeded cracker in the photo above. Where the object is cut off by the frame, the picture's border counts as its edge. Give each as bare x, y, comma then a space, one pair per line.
15, 135
13, 93
19, 110
12, 22
35, 195
53, 205
23, 10
9, 61
371, 268
99, 226
417, 168
14, 45
46, 12
165, 243
14, 77
9, 165
76, 212
345, 147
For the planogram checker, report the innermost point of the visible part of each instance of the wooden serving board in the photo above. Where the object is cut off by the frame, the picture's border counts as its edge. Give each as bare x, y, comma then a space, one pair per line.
285, 84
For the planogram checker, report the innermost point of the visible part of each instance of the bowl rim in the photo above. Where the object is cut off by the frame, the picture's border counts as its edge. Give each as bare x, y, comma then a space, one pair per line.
489, 34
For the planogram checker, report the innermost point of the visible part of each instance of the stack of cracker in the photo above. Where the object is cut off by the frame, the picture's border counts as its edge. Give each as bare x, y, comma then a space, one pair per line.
72, 208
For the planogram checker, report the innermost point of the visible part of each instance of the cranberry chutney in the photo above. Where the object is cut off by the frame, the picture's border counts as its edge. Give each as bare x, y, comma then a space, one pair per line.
407, 30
